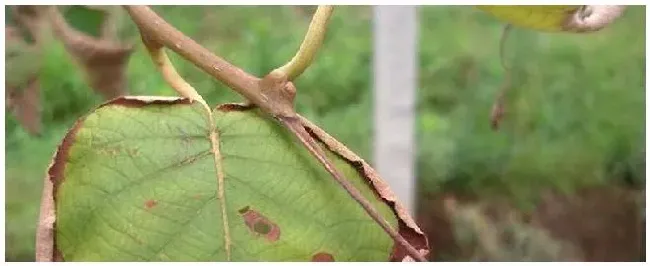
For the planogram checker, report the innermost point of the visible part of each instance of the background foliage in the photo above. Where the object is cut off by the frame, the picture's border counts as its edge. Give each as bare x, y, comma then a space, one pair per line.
575, 115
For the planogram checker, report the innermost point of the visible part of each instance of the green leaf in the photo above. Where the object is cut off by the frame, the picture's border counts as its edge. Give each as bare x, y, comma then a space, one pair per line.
136, 180
542, 18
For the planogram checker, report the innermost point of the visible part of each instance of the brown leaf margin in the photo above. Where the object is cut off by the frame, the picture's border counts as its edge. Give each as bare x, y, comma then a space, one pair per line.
46, 250
406, 225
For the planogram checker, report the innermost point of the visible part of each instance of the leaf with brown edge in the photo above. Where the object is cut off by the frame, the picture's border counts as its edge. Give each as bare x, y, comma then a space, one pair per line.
278, 203
407, 226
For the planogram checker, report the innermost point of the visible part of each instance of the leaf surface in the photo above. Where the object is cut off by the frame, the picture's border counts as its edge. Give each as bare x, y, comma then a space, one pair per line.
136, 180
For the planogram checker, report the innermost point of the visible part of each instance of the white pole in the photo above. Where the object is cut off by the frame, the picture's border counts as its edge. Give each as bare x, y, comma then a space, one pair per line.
395, 81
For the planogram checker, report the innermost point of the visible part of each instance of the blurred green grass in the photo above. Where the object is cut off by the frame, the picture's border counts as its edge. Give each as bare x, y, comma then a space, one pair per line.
575, 114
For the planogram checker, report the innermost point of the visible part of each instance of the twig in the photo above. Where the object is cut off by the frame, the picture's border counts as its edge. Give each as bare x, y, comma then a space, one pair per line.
310, 45
168, 71
498, 107
308, 141
243, 83
272, 94
103, 60
502, 45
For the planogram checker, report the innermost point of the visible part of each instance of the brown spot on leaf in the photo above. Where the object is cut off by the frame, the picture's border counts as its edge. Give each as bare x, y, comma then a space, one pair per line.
259, 224
262, 227
322, 257
243, 210
56, 169
150, 204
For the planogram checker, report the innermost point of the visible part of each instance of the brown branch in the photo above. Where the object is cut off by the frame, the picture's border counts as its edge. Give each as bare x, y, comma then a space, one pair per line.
32, 18
249, 86
273, 94
308, 141
22, 85
103, 61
